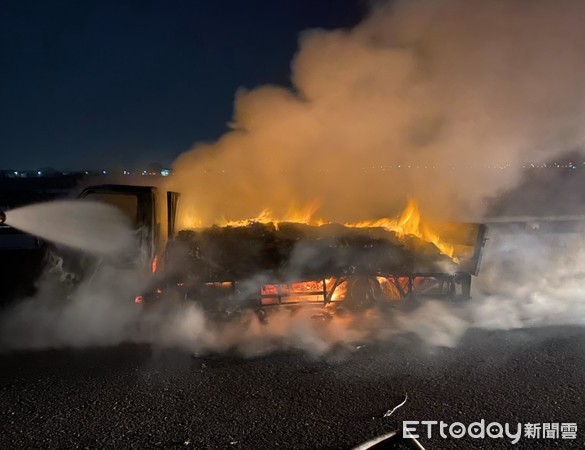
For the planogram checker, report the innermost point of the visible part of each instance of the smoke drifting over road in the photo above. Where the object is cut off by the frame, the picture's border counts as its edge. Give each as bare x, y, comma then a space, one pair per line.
531, 279
419, 84
511, 293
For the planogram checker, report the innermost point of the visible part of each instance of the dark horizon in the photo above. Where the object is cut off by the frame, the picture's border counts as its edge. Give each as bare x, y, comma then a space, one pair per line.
119, 84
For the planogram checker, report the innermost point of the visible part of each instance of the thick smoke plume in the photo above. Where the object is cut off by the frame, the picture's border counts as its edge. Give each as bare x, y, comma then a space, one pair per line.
418, 100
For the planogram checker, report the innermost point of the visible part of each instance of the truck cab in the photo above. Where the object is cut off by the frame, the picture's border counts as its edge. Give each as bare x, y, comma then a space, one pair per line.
152, 213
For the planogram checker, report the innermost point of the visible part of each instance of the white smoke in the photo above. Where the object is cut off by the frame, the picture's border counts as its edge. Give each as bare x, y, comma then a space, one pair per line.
527, 280
531, 279
99, 311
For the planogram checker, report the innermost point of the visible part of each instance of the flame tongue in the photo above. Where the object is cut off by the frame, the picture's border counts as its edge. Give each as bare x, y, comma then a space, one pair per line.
293, 215
409, 223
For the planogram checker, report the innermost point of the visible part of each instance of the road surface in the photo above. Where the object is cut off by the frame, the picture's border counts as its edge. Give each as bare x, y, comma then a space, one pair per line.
142, 397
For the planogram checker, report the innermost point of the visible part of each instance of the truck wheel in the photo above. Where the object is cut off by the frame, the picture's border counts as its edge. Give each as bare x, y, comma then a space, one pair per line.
362, 293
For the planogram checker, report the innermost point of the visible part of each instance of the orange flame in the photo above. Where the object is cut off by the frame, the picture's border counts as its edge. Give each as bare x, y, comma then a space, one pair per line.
293, 215
409, 223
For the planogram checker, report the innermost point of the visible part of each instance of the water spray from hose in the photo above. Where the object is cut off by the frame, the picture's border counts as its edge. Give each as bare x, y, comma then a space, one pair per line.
89, 226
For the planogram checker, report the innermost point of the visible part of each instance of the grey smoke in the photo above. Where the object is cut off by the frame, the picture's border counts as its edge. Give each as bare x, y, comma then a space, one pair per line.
99, 311
527, 280
531, 280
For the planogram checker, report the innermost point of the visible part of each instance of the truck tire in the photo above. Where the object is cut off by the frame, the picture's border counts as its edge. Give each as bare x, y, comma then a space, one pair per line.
362, 293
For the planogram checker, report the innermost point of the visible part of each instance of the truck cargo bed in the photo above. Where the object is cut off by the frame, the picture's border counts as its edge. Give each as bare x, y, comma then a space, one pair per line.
291, 251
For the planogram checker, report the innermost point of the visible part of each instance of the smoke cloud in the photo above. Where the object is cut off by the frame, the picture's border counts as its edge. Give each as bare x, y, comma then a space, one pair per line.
422, 99
99, 311
531, 279
511, 293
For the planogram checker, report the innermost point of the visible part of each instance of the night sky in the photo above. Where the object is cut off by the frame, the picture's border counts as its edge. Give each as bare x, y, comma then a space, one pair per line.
90, 84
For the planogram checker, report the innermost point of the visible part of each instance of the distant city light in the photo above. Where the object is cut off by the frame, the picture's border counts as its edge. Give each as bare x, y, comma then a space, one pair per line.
578, 167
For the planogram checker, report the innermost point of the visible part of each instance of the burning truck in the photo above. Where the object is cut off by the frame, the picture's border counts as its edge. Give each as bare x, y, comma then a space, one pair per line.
264, 262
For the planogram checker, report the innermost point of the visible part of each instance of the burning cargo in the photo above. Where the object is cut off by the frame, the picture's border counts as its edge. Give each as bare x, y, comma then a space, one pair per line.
293, 261
293, 251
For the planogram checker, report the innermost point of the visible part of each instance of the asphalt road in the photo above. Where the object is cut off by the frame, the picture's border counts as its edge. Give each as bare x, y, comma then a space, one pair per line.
141, 397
